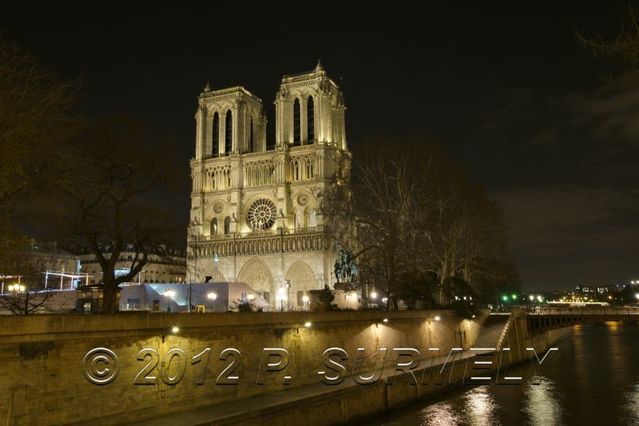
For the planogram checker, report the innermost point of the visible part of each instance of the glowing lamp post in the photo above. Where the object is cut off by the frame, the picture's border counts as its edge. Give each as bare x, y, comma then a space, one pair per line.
305, 300
282, 296
212, 296
374, 297
169, 294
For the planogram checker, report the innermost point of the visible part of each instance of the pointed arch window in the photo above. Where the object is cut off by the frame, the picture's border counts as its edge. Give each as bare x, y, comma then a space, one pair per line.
310, 119
216, 135
227, 225
228, 133
251, 136
297, 134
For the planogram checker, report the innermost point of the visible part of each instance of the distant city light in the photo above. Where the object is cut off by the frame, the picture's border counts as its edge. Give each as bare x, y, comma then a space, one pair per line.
514, 296
308, 324
175, 329
437, 318
385, 320
17, 288
212, 296
504, 298
531, 297
373, 295
305, 299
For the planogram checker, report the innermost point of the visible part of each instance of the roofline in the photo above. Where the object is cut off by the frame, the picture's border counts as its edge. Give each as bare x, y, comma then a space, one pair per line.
227, 91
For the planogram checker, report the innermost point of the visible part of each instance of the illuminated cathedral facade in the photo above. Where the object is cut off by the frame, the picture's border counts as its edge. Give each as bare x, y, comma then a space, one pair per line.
255, 207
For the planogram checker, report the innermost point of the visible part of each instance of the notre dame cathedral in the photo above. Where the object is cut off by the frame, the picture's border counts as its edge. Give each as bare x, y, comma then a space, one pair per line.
255, 208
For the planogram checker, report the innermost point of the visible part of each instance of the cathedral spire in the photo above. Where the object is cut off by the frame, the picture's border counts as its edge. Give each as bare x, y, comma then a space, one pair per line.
319, 66
207, 88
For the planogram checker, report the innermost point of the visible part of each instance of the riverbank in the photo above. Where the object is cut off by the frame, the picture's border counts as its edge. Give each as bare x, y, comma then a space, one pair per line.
351, 402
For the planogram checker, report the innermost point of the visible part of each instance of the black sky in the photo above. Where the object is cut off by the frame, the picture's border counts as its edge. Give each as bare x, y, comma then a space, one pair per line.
506, 90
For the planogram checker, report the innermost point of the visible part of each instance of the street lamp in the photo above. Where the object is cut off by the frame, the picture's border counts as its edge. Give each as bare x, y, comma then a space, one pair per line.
305, 300
282, 296
170, 294
211, 296
374, 295
288, 289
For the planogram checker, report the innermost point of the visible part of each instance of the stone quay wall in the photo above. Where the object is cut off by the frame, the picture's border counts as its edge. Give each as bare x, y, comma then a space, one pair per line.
46, 373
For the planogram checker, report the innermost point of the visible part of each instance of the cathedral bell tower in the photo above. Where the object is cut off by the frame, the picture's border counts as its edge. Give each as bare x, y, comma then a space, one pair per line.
256, 213
310, 109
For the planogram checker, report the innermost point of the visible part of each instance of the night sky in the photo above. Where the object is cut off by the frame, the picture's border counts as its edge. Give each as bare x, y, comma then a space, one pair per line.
506, 91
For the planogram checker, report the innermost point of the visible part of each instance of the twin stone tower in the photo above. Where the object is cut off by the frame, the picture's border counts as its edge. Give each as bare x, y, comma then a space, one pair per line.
255, 207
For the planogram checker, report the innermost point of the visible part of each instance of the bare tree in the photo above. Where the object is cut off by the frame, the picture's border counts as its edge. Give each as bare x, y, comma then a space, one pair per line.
109, 205
624, 46
420, 225
37, 119
384, 202
24, 302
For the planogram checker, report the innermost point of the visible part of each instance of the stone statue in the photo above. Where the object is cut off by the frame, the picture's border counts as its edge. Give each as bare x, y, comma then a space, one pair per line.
345, 268
298, 219
312, 219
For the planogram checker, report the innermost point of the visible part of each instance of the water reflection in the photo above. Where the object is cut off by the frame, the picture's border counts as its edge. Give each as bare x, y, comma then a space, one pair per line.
592, 380
632, 405
476, 407
440, 414
480, 407
542, 405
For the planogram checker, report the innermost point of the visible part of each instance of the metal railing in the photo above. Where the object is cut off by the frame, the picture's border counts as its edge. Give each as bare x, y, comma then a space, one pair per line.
258, 233
580, 311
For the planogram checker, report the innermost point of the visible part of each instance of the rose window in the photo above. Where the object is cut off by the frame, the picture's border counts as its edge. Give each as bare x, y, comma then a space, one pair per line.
262, 214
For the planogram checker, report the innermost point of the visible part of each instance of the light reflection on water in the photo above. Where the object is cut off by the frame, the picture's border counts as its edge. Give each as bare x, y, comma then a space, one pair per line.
440, 414
542, 405
592, 380
632, 405
477, 409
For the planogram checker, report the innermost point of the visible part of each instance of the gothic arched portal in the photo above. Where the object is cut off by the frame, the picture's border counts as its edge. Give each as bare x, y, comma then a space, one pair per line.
259, 278
302, 279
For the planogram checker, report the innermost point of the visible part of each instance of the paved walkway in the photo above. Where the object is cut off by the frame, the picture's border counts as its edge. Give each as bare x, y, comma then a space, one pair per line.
250, 407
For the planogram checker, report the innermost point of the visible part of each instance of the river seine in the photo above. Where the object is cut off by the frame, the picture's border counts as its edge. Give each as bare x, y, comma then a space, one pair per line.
592, 380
